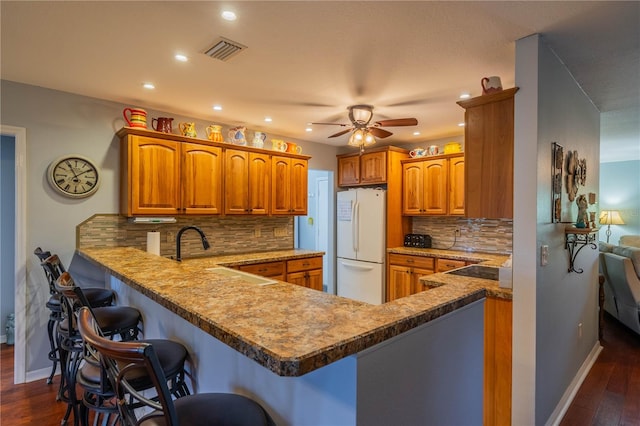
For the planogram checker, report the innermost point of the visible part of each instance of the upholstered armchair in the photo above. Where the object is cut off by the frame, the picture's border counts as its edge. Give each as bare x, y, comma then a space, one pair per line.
621, 268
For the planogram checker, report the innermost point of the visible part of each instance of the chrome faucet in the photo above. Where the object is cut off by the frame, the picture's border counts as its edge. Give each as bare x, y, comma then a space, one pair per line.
205, 242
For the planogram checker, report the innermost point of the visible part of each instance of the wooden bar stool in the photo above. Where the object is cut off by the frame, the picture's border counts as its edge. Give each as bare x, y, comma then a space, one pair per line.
120, 359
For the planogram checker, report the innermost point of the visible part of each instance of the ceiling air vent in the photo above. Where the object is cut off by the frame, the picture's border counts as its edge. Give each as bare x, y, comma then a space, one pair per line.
224, 49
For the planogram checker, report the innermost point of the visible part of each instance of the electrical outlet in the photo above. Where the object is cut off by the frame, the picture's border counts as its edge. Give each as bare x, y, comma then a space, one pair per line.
457, 232
257, 231
171, 237
544, 255
280, 232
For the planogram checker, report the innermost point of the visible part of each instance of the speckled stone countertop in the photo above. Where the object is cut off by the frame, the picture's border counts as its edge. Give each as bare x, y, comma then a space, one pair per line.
289, 329
442, 279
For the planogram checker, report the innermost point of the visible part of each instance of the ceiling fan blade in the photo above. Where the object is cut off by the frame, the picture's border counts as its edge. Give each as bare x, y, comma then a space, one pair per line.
379, 133
340, 133
397, 122
333, 124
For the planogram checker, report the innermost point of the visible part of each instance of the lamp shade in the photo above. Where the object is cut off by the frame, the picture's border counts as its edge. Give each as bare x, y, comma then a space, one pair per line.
610, 217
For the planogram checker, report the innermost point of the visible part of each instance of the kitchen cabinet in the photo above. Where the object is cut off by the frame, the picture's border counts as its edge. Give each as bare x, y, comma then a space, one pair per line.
433, 186
444, 265
306, 272
489, 155
369, 168
274, 270
498, 318
288, 186
247, 182
404, 272
164, 177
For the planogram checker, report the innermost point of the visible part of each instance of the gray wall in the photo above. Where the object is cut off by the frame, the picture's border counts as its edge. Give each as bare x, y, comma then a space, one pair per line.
620, 190
57, 124
7, 229
549, 302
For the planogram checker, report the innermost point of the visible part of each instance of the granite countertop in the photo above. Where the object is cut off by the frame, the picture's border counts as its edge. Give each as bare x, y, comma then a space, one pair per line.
441, 279
289, 329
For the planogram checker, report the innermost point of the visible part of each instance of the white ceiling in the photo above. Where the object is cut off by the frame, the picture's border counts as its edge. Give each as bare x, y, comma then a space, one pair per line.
307, 61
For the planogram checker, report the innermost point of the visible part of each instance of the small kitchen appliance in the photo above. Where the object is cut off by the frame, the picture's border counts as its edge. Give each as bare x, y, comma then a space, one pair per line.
417, 240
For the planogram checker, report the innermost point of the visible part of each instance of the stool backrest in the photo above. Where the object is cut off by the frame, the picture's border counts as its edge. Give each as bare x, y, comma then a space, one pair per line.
53, 268
71, 299
121, 358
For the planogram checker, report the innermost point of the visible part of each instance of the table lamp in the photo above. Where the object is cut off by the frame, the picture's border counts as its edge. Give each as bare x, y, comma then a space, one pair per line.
610, 217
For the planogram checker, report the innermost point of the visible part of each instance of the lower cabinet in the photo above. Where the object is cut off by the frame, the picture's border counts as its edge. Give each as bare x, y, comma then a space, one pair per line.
306, 272
498, 317
404, 273
445, 265
268, 270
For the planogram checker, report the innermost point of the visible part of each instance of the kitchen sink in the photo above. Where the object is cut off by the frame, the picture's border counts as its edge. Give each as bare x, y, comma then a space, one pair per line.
240, 275
477, 271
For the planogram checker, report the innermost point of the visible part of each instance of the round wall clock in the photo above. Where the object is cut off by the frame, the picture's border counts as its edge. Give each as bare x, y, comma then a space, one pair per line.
74, 176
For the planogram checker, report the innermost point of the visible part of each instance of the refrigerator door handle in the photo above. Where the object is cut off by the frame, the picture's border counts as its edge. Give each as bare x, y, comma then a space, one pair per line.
354, 266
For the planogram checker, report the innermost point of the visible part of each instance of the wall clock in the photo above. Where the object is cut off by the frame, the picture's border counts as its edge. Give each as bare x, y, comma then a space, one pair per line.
74, 176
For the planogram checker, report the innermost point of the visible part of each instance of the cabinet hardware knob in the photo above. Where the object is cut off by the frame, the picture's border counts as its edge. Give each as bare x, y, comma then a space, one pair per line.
409, 260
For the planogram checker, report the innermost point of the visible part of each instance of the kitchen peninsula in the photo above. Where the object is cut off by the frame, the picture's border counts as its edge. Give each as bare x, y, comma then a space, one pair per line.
309, 357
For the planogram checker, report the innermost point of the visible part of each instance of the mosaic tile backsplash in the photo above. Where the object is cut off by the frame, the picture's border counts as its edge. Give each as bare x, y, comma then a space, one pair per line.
486, 235
227, 235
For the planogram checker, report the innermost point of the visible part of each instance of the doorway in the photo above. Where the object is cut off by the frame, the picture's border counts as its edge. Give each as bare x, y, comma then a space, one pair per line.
16, 214
315, 231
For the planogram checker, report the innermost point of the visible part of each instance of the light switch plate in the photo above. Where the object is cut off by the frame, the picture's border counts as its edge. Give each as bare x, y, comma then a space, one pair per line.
544, 255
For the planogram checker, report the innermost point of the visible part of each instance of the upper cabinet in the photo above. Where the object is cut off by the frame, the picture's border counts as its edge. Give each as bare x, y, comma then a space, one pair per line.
433, 186
166, 174
370, 168
489, 155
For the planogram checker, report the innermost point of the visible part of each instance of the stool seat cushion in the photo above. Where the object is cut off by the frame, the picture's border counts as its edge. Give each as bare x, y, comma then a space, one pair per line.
98, 296
214, 409
114, 318
54, 303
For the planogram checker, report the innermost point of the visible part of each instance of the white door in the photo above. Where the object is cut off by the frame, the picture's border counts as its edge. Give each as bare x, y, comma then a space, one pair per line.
361, 281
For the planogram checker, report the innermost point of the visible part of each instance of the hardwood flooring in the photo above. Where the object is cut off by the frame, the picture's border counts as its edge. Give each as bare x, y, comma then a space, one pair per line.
609, 396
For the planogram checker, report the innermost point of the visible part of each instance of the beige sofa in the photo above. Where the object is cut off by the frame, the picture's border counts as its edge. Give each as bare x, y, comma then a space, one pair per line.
620, 266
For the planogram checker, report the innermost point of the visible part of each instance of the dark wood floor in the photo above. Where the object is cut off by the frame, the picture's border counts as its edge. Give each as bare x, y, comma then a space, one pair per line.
609, 396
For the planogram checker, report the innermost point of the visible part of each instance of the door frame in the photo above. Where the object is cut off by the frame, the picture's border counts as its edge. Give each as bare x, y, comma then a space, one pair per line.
20, 248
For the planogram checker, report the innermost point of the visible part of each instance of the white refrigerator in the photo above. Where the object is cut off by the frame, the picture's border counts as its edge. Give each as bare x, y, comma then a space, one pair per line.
361, 231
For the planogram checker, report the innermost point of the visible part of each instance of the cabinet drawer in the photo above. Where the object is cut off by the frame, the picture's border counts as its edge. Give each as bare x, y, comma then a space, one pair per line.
268, 269
304, 264
413, 261
448, 264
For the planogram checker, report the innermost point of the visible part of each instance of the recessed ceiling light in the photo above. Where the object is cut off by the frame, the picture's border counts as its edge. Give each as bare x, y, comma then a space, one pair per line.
181, 58
228, 15
217, 107
460, 124
148, 85
268, 119
308, 129
465, 96
416, 133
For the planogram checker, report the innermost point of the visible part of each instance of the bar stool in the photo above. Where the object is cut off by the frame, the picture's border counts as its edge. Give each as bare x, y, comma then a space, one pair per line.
120, 321
121, 358
97, 391
53, 267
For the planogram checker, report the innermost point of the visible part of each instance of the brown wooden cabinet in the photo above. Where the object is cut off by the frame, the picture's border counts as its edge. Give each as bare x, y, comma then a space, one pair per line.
247, 182
444, 265
274, 270
306, 272
164, 177
489, 155
498, 342
289, 186
404, 272
432, 186
369, 168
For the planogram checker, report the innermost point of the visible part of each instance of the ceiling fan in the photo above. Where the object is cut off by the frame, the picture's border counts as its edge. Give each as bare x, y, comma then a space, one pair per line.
363, 133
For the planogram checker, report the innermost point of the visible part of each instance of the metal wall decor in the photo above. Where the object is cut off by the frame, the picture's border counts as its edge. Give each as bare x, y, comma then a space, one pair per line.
557, 165
576, 176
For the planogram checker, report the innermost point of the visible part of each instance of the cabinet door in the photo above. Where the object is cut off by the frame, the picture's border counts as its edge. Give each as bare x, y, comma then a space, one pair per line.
153, 181
281, 185
456, 186
399, 282
416, 284
236, 188
299, 178
201, 179
314, 279
413, 188
435, 187
259, 183
373, 168
349, 170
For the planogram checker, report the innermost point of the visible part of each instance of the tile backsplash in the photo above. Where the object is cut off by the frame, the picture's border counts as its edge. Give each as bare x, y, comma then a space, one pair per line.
227, 235
486, 235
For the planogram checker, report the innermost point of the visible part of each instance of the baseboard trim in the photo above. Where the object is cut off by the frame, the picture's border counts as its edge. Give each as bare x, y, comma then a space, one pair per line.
574, 386
40, 374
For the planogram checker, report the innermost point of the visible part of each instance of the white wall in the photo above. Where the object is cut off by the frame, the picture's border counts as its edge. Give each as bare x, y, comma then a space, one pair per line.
57, 124
562, 300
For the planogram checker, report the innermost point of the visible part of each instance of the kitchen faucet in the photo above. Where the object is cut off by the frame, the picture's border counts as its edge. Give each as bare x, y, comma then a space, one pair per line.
205, 243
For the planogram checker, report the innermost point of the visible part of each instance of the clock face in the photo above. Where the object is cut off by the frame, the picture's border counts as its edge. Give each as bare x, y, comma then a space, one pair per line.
74, 176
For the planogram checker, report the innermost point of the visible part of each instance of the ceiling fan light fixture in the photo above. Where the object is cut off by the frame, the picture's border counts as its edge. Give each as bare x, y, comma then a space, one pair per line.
361, 114
361, 138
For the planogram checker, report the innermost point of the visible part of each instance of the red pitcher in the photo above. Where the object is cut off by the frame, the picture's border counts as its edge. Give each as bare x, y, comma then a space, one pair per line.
162, 124
138, 117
